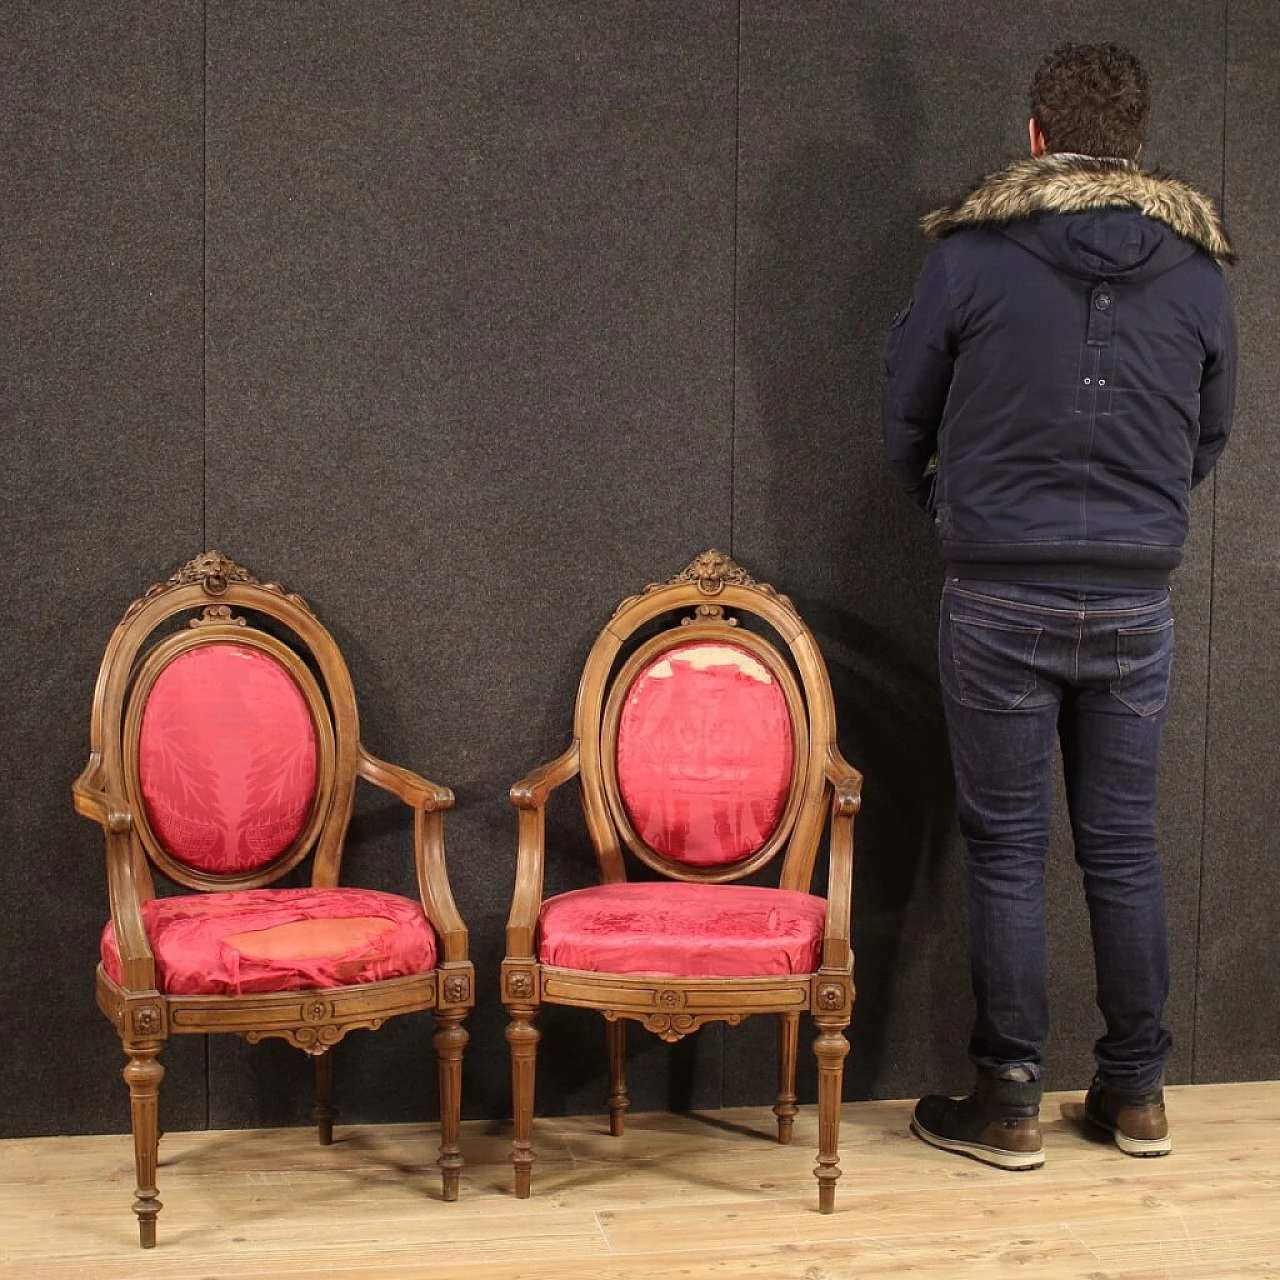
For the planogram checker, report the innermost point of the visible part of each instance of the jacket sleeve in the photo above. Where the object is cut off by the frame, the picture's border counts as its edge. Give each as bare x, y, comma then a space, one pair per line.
916, 361
1217, 393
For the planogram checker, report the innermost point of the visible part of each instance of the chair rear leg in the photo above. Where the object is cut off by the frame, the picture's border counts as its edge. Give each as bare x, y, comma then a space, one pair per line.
788, 1046
143, 1075
619, 1100
523, 1038
831, 1048
325, 1112
450, 1040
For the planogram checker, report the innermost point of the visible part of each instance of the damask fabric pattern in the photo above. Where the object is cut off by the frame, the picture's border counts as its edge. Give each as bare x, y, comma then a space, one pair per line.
226, 758
683, 930
280, 940
705, 754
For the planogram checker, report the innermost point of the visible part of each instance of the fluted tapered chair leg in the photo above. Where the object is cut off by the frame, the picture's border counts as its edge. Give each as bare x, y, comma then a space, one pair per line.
143, 1075
523, 1038
831, 1048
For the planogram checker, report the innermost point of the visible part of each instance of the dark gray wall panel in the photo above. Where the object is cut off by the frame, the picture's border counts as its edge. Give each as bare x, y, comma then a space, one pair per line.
469, 383
475, 372
854, 121
1238, 1015
101, 288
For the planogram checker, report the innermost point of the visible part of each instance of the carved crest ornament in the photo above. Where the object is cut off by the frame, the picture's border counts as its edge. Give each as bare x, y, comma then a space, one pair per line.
214, 572
712, 571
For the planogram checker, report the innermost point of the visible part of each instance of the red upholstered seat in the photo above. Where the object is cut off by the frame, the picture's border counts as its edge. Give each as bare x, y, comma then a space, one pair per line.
280, 940
686, 930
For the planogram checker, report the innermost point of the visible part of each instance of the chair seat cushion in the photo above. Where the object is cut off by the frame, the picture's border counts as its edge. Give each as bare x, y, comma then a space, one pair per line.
685, 930
280, 940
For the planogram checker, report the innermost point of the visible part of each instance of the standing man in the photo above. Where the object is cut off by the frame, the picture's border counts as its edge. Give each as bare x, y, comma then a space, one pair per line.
1062, 377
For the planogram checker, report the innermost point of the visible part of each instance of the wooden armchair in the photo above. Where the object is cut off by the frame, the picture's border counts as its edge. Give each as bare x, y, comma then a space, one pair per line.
706, 749
223, 755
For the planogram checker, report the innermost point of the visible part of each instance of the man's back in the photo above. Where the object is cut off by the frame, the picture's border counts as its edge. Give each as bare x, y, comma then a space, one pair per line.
1067, 361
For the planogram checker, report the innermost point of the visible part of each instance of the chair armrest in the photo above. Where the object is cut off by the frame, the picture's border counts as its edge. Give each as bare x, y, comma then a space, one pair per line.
429, 801
533, 789
529, 796
415, 790
846, 783
846, 800
100, 806
137, 963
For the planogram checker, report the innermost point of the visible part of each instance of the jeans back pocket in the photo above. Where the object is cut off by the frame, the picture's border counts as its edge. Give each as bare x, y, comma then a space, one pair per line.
1143, 659
993, 662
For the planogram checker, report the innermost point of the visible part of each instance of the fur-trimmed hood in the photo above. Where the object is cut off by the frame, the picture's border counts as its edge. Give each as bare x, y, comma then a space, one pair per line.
1079, 184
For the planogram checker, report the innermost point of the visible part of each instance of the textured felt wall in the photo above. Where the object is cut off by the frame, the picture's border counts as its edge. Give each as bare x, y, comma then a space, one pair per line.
102, 424
466, 321
1237, 1012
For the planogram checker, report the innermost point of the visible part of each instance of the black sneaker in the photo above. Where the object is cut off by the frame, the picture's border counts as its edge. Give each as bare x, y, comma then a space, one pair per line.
999, 1123
1136, 1121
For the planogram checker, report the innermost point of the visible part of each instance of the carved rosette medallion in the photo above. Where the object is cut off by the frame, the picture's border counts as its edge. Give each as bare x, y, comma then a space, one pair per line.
145, 1020
831, 997
316, 1010
519, 984
457, 988
669, 998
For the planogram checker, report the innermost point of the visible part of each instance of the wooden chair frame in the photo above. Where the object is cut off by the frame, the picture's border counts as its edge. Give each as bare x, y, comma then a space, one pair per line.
713, 592
212, 588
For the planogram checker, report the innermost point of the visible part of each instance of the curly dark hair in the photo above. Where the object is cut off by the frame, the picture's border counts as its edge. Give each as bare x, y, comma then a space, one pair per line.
1092, 99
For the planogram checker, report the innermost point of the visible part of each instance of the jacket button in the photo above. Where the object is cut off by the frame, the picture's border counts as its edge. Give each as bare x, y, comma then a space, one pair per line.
1102, 301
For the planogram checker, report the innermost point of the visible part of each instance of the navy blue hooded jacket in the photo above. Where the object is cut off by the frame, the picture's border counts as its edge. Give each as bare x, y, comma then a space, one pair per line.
1064, 373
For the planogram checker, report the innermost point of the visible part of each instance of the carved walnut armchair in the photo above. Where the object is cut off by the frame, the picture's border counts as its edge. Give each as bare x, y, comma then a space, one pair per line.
223, 756
705, 749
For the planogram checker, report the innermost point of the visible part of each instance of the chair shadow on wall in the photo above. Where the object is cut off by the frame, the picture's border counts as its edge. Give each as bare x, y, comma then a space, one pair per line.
839, 250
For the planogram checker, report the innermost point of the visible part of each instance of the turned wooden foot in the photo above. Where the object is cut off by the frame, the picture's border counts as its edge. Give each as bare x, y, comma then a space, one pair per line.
788, 1046
619, 1099
325, 1112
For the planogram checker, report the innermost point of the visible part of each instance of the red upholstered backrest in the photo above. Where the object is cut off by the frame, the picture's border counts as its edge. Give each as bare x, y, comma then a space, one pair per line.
227, 758
705, 753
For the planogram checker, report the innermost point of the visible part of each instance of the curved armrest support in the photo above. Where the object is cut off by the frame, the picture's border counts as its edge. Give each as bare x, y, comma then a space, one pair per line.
532, 790
846, 783
415, 790
433, 883
93, 801
846, 800
529, 796
429, 802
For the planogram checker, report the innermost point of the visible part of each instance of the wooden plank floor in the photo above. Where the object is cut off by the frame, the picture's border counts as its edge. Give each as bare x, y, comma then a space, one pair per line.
678, 1198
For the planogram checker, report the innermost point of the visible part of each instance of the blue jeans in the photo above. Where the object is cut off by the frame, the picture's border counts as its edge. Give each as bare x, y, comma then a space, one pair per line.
1025, 668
